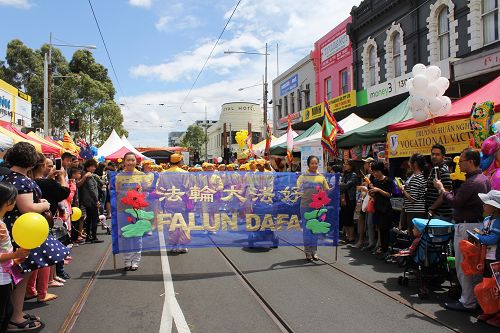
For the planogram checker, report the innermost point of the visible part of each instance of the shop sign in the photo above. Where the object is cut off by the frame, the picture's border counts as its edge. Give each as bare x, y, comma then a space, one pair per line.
335, 48
454, 135
289, 85
15, 106
479, 65
343, 102
314, 112
5, 106
295, 118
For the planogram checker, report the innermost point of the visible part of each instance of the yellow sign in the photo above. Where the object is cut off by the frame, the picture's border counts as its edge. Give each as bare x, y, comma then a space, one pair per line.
314, 112
343, 102
454, 135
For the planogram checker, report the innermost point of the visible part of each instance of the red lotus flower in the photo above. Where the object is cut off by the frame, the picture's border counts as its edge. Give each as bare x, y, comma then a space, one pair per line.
319, 200
135, 199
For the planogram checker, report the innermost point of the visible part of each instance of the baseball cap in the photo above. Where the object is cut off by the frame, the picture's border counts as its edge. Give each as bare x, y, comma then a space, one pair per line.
491, 198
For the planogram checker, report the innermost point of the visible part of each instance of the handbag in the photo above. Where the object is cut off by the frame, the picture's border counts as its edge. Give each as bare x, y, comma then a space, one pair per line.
364, 204
370, 207
59, 228
474, 257
48, 216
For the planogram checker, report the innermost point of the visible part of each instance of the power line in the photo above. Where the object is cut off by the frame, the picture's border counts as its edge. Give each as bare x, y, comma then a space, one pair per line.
211, 52
106, 48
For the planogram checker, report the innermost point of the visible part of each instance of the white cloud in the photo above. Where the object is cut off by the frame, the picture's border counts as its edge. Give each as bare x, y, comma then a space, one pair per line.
170, 23
23, 4
141, 3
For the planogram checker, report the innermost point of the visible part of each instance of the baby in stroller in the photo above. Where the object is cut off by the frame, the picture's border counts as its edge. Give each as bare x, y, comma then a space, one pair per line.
426, 258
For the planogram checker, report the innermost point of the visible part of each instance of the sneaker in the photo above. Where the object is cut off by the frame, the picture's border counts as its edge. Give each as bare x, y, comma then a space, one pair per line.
59, 279
65, 276
95, 240
458, 306
182, 250
55, 284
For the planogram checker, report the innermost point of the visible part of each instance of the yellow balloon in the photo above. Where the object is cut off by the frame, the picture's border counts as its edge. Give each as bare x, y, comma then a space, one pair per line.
30, 230
76, 214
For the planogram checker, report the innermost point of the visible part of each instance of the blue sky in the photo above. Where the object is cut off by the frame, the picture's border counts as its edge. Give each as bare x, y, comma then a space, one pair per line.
159, 46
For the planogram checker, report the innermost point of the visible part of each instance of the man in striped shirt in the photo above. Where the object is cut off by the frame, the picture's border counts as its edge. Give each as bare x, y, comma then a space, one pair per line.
433, 200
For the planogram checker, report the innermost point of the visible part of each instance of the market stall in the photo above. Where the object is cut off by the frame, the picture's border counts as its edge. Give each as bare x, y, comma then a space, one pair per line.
280, 149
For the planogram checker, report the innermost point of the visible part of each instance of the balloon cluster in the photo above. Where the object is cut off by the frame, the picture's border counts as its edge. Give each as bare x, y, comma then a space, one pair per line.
490, 159
241, 137
427, 88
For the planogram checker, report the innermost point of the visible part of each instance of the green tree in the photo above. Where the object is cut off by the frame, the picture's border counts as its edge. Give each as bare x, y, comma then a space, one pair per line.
194, 138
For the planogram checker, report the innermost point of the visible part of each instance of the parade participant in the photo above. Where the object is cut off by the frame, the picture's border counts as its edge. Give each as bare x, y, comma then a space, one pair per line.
252, 165
132, 179
221, 167
146, 166
380, 190
230, 167
414, 194
348, 201
268, 167
308, 183
181, 181
433, 200
242, 158
467, 215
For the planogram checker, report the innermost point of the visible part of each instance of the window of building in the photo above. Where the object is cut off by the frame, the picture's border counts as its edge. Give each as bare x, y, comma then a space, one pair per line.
292, 101
396, 54
328, 88
490, 21
285, 104
280, 105
307, 96
371, 66
444, 33
299, 100
344, 81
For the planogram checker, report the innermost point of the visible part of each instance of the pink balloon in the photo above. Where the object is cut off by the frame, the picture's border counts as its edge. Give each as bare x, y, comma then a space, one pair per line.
495, 180
491, 145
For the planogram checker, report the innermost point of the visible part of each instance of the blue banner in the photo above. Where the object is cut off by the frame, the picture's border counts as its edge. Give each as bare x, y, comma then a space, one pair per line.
228, 209
289, 85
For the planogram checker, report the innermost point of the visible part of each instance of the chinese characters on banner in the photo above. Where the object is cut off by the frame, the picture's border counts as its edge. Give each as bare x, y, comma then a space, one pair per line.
222, 209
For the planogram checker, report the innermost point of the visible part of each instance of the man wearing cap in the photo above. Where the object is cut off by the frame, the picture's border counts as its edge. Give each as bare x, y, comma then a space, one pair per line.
467, 215
177, 238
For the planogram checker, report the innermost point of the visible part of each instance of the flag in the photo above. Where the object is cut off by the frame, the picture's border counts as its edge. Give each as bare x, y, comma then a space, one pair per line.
267, 151
248, 141
289, 141
69, 144
330, 130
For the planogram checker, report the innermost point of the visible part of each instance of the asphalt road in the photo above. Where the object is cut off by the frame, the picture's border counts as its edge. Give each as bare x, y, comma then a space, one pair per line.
278, 290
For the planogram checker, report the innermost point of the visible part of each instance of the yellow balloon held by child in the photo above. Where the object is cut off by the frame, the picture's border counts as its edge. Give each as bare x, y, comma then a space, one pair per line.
76, 214
30, 230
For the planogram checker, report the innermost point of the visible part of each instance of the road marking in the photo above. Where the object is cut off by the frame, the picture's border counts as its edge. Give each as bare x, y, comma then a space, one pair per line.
171, 308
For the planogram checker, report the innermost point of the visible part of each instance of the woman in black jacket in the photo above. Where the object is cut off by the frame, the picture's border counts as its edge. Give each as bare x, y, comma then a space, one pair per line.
89, 199
348, 201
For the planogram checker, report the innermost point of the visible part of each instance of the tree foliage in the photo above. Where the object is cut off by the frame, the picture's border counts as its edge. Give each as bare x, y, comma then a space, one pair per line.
194, 138
88, 95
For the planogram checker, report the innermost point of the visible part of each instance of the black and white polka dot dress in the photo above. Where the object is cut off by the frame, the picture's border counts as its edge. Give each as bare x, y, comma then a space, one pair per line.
51, 251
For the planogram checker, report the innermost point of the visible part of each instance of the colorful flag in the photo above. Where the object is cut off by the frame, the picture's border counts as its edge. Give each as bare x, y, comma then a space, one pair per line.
330, 131
248, 141
267, 151
289, 142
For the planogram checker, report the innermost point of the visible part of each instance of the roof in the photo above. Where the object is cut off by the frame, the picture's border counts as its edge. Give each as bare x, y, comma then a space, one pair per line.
281, 148
376, 130
460, 108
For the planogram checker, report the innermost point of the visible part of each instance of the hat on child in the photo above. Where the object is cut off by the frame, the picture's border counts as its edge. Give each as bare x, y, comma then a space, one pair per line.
491, 198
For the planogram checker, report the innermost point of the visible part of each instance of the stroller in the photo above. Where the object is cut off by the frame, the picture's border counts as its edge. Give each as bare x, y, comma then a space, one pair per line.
104, 226
428, 261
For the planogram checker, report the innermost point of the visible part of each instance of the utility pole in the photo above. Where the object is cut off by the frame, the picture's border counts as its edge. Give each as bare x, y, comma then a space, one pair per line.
206, 136
49, 87
265, 97
45, 96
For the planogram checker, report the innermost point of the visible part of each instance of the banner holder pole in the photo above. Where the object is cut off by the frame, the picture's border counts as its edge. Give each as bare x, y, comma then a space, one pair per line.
336, 252
114, 261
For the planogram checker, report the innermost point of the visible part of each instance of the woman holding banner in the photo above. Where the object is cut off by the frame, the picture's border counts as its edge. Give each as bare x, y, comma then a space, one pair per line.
309, 183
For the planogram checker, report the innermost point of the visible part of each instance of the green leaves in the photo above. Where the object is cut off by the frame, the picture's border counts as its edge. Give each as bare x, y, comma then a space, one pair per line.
315, 213
194, 137
140, 214
318, 227
137, 229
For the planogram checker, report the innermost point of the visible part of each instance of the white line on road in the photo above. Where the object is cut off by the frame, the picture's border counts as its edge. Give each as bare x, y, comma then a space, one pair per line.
171, 308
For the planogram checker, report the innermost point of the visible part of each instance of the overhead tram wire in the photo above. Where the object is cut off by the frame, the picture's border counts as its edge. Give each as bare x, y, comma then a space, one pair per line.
211, 52
106, 48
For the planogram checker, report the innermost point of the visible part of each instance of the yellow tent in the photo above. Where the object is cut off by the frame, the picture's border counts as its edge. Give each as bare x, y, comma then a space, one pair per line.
49, 143
16, 138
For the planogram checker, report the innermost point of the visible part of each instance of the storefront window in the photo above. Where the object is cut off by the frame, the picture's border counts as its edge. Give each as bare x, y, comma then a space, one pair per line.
285, 103
279, 105
371, 66
444, 34
299, 100
307, 96
328, 88
292, 101
396, 54
490, 21
344, 81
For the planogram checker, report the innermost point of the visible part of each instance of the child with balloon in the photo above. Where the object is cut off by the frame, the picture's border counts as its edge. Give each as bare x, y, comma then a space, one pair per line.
8, 194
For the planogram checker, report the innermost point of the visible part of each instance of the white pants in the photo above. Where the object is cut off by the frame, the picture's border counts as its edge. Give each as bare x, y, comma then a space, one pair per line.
132, 259
467, 282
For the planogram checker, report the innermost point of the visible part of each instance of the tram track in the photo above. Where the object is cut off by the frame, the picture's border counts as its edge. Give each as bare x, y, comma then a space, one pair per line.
286, 327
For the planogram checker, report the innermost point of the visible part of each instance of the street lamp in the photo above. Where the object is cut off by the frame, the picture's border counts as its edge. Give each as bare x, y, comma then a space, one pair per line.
47, 81
264, 129
255, 85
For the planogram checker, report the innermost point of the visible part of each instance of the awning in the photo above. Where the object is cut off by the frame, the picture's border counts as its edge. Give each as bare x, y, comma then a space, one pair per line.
460, 109
281, 148
120, 153
376, 130
17, 136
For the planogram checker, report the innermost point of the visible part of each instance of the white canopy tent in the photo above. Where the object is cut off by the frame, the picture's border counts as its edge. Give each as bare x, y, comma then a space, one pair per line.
274, 142
129, 146
350, 123
111, 145
5, 142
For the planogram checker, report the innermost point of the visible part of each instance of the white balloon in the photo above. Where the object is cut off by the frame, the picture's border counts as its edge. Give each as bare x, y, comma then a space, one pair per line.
446, 103
432, 91
433, 73
419, 114
434, 105
409, 85
443, 84
496, 127
420, 82
219, 159
418, 69
418, 102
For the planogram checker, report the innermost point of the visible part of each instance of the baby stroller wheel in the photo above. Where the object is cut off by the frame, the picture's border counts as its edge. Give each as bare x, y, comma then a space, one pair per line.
108, 231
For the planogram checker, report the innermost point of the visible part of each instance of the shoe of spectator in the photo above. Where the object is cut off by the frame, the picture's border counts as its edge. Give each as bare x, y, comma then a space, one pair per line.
47, 298
96, 240
485, 317
495, 321
55, 283
182, 250
458, 306
59, 279
65, 276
